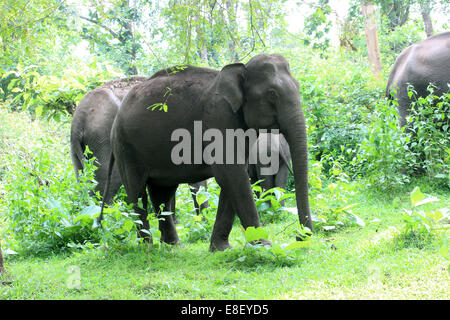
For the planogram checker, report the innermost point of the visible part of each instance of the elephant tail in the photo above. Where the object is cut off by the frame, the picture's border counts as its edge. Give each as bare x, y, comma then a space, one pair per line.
76, 153
108, 180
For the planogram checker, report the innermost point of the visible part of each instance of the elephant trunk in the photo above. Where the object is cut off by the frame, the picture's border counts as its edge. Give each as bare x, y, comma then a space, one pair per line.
294, 129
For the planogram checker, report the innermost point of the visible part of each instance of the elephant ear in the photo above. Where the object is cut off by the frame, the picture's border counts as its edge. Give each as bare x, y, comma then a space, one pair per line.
228, 86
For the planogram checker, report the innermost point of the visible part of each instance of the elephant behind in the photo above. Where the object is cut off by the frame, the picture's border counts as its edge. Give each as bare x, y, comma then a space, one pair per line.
420, 64
91, 126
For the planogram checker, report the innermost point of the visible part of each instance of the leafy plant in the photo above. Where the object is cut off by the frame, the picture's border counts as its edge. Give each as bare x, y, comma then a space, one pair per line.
270, 203
425, 219
422, 223
193, 227
430, 124
50, 95
46, 208
390, 156
332, 207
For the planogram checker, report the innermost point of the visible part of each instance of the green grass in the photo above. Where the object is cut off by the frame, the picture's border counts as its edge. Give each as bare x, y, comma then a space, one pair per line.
370, 262
354, 263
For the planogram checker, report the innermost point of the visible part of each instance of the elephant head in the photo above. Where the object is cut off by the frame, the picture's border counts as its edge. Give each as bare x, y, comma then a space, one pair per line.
267, 95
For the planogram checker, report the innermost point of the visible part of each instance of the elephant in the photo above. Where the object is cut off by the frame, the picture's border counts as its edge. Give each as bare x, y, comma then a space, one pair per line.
158, 148
91, 126
420, 64
276, 144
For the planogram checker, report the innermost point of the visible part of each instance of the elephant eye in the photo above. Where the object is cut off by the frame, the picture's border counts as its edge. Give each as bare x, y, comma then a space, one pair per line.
272, 95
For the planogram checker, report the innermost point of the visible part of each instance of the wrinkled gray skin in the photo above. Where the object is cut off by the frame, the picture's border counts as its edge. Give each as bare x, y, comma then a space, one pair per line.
261, 94
273, 143
420, 64
91, 126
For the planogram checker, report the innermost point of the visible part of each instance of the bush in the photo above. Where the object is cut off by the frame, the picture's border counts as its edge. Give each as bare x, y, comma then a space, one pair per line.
389, 157
44, 207
338, 96
26, 89
422, 224
430, 124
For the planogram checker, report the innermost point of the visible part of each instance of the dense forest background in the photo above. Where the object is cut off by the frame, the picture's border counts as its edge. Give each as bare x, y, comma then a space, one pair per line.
379, 197
341, 52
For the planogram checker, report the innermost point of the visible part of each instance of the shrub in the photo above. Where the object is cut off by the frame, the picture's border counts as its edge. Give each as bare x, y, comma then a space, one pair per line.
422, 224
389, 157
430, 143
44, 207
26, 89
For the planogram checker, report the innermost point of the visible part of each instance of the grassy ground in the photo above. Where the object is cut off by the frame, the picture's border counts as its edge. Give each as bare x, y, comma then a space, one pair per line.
369, 262
355, 263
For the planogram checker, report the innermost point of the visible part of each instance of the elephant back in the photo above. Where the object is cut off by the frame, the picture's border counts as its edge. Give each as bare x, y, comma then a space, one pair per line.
120, 87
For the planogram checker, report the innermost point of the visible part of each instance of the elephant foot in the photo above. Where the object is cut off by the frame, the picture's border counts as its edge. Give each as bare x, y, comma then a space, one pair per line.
171, 239
219, 246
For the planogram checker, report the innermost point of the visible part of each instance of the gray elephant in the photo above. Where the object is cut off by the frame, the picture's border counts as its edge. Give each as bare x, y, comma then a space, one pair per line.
202, 111
420, 64
272, 144
91, 126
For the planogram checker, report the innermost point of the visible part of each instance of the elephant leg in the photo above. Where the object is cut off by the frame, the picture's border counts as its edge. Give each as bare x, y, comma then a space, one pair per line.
253, 174
237, 194
101, 175
164, 195
172, 209
281, 179
134, 183
223, 224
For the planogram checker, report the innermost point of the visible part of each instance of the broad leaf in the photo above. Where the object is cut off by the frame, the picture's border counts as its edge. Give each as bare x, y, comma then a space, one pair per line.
253, 234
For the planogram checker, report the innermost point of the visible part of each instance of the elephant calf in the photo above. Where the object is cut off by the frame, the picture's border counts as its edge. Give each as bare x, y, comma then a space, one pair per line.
270, 144
91, 126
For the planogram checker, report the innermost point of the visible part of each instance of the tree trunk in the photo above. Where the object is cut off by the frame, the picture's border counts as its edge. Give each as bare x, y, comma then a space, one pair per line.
425, 9
370, 28
202, 49
232, 12
2, 268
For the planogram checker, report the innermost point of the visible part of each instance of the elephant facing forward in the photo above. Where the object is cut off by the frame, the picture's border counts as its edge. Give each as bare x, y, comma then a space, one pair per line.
261, 94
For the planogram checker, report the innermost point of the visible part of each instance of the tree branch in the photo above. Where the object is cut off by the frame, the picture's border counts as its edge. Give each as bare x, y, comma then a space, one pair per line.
98, 23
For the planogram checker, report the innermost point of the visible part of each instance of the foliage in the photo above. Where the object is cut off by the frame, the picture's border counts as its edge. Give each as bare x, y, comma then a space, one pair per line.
283, 254
26, 89
389, 157
112, 29
332, 206
422, 223
430, 124
317, 27
219, 32
270, 203
352, 132
45, 208
337, 103
392, 42
194, 228
383, 155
